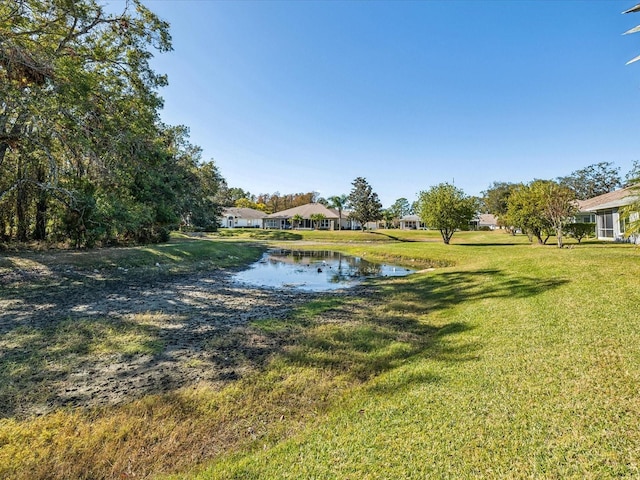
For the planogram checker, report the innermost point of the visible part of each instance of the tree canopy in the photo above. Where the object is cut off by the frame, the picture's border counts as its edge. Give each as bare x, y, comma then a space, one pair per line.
540, 208
446, 208
399, 209
594, 180
83, 153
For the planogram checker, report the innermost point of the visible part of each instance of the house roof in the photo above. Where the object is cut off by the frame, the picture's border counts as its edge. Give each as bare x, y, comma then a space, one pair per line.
248, 213
305, 211
617, 198
487, 219
410, 218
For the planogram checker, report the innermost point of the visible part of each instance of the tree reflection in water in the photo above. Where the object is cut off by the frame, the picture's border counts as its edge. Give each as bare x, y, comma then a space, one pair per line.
314, 270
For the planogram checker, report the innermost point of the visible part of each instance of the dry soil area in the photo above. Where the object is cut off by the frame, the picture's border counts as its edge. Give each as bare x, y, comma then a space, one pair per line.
198, 327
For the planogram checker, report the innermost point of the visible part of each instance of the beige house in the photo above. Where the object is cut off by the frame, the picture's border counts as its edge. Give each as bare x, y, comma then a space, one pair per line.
289, 218
484, 221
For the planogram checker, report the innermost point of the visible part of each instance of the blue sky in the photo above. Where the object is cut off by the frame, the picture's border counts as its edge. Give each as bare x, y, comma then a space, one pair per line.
301, 96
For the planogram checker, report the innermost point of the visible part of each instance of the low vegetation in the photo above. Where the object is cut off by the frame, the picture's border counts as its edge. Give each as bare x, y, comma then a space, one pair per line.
508, 360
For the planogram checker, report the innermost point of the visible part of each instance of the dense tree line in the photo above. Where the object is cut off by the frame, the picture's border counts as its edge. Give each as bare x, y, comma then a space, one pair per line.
83, 154
267, 202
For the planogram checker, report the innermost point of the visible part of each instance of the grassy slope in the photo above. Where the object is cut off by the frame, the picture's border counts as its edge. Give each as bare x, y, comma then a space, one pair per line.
517, 361
529, 369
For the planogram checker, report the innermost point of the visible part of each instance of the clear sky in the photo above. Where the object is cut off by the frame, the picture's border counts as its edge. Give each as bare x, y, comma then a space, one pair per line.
299, 96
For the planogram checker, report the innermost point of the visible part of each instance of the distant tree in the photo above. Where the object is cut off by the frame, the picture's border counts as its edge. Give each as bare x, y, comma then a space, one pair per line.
559, 206
365, 204
339, 202
389, 218
399, 209
633, 176
594, 180
447, 209
228, 196
541, 208
525, 211
276, 202
202, 205
496, 197
246, 203
415, 207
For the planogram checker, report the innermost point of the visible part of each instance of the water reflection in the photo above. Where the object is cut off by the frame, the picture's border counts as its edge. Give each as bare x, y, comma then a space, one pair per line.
314, 270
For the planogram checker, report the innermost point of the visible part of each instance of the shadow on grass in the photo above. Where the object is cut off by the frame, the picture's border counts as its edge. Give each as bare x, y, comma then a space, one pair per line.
390, 322
275, 235
393, 237
423, 294
490, 244
259, 234
87, 343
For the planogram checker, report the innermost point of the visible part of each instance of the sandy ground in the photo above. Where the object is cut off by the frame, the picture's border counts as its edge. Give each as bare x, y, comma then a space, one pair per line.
201, 320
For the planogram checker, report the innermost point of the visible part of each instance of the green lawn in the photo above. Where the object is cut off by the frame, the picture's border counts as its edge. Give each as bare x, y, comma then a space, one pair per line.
518, 362
507, 360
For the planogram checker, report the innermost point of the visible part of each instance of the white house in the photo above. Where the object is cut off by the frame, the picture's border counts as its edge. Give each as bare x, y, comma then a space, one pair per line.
235, 217
606, 208
410, 222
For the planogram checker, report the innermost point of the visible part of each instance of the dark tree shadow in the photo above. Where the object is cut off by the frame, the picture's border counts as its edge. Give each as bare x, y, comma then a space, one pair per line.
393, 237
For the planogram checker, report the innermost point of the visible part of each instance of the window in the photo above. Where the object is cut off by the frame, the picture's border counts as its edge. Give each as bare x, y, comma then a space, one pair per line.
605, 224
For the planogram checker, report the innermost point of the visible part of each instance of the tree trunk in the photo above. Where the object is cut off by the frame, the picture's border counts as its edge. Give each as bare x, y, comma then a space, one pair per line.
40, 230
21, 213
559, 237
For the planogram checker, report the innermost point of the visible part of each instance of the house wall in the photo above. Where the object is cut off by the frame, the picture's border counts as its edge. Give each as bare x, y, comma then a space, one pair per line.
409, 224
277, 223
230, 221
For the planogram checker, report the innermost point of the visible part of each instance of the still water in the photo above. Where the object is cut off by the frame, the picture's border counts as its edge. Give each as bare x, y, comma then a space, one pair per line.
314, 270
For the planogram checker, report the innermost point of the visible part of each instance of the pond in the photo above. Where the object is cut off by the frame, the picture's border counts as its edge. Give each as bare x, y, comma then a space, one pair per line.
314, 270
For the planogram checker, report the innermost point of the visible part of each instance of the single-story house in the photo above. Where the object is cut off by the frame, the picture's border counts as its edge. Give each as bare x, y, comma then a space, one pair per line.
411, 222
347, 223
235, 217
606, 208
484, 220
350, 223
285, 218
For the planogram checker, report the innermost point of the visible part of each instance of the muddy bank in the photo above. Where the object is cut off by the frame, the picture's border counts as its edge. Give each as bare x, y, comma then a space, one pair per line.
197, 327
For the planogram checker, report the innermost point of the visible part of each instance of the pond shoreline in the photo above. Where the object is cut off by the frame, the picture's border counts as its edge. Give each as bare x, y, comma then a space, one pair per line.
201, 322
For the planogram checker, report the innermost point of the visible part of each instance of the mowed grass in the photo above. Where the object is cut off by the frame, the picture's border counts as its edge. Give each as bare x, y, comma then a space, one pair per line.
513, 361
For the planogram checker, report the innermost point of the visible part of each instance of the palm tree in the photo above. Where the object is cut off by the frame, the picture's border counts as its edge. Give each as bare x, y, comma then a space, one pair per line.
297, 218
633, 9
339, 202
316, 218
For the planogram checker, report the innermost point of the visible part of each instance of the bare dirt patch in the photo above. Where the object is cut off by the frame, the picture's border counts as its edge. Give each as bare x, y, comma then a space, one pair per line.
82, 338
